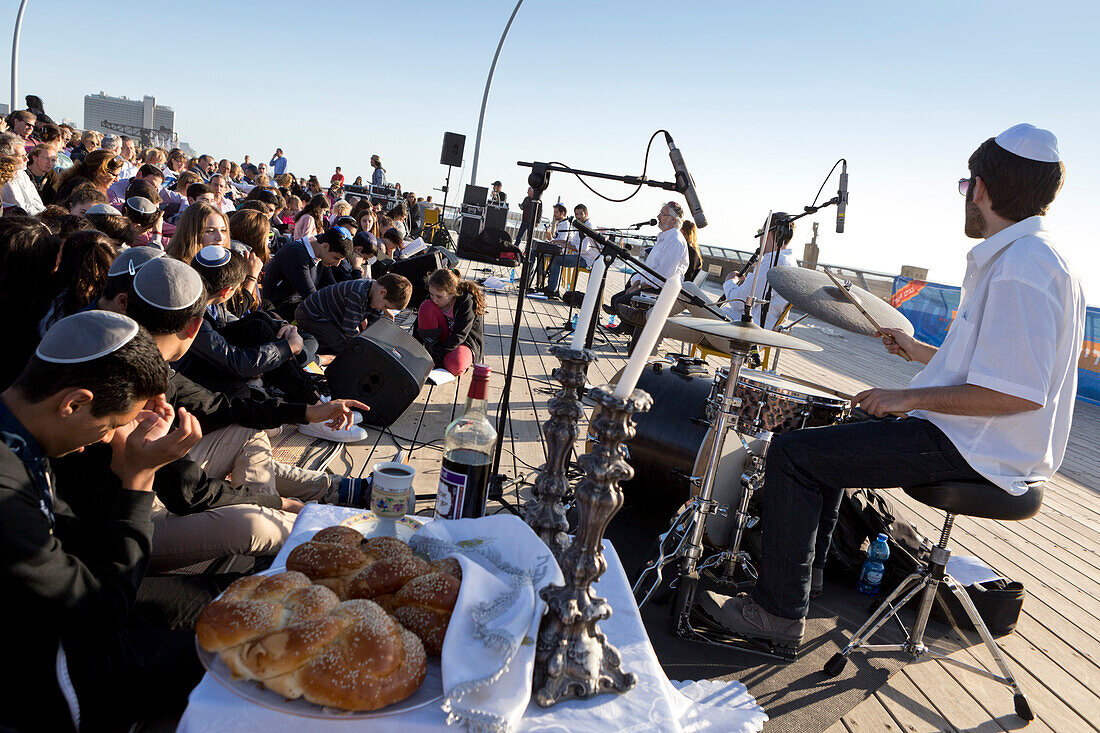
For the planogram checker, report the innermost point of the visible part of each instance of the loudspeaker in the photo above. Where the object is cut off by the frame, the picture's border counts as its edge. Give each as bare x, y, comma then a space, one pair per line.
475, 195
418, 269
496, 217
453, 144
383, 367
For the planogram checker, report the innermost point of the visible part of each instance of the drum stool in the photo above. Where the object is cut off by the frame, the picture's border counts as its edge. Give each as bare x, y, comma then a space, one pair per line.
970, 499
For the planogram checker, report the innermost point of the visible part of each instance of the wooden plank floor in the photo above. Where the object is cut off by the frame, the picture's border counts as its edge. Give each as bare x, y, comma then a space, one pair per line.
1055, 650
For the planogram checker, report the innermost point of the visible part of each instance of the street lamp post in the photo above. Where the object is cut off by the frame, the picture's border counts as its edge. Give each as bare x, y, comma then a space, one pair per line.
484, 97
15, 55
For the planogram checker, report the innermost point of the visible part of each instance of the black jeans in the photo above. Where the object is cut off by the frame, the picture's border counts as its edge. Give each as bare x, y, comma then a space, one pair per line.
804, 480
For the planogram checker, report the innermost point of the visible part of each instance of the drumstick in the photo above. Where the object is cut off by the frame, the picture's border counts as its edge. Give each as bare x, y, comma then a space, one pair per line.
861, 309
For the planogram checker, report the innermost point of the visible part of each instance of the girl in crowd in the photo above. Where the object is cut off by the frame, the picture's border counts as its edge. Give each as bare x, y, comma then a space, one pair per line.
201, 224
99, 168
695, 257
310, 222
252, 229
81, 274
358, 181
398, 214
290, 211
450, 323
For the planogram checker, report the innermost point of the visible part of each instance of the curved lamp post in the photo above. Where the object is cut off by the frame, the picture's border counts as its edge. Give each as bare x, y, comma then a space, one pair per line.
484, 97
15, 56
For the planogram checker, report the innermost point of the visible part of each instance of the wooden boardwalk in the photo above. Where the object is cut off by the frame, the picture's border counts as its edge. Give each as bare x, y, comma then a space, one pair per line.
1055, 651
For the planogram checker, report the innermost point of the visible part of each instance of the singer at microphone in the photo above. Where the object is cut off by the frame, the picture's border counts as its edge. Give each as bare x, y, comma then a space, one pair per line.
668, 257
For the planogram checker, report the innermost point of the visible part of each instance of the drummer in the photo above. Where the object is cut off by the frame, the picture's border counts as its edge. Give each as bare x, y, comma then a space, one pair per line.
994, 402
739, 287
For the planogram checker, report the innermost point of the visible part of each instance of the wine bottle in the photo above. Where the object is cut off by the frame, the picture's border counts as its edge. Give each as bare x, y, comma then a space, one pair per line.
467, 456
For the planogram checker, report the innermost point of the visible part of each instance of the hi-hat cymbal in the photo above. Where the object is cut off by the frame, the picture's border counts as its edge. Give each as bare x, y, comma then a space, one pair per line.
814, 293
747, 333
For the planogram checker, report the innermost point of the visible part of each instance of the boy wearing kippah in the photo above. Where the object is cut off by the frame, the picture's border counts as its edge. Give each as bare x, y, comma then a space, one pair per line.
68, 584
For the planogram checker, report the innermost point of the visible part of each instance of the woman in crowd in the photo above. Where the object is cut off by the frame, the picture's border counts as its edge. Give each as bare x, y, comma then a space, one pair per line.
450, 323
28, 258
358, 181
310, 220
81, 274
99, 168
340, 208
202, 224
397, 214
252, 228
695, 257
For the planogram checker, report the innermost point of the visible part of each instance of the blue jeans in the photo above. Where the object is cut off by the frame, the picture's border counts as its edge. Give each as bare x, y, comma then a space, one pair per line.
804, 480
556, 264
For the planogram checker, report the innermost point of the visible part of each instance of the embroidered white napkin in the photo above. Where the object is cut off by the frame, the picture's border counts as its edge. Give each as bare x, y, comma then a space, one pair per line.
489, 655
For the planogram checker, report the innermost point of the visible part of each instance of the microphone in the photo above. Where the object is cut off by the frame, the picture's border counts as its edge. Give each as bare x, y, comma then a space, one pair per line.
842, 198
639, 225
685, 184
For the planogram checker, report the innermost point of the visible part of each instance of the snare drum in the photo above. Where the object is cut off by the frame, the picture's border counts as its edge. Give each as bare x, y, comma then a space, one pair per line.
778, 404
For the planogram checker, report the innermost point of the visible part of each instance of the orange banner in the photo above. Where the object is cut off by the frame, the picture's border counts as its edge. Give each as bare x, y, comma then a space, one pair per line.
907, 291
1089, 358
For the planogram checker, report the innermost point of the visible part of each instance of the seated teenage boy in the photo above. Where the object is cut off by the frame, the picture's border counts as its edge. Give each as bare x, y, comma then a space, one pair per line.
199, 516
302, 267
336, 313
68, 585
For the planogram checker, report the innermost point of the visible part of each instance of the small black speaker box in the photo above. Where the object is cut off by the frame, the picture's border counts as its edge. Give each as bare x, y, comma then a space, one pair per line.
383, 367
453, 143
418, 269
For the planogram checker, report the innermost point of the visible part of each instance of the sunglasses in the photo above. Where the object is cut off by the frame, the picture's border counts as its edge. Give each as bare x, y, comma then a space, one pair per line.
964, 185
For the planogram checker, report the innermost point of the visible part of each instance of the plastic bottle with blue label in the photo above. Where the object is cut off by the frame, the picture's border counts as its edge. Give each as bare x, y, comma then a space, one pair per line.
870, 578
613, 320
574, 321
512, 275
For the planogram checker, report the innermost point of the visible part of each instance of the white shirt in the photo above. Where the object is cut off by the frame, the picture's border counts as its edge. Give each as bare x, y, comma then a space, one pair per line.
1018, 330
668, 257
20, 191
129, 170
587, 246
561, 231
778, 303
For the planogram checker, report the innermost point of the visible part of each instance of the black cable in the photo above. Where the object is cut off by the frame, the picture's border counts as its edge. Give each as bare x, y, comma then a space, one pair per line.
842, 160
645, 167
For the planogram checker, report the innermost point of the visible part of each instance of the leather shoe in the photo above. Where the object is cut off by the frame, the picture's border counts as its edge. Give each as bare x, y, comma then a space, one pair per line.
743, 616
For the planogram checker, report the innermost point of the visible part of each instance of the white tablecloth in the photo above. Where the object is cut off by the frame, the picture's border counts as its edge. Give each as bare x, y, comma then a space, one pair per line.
655, 704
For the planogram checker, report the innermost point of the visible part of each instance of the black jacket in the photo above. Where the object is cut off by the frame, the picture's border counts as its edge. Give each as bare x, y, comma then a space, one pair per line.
216, 410
215, 352
291, 272
468, 329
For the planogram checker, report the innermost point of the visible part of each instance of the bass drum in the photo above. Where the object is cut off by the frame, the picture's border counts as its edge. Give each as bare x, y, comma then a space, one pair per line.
673, 443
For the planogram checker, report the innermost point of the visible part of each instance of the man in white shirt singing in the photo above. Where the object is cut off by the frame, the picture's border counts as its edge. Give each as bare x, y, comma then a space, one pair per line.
668, 257
994, 402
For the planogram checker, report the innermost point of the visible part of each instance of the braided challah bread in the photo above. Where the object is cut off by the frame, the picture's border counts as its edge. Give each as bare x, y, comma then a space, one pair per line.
421, 595
299, 640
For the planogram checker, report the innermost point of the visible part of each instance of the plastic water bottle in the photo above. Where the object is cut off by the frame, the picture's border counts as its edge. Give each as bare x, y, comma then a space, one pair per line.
512, 275
870, 578
613, 320
576, 317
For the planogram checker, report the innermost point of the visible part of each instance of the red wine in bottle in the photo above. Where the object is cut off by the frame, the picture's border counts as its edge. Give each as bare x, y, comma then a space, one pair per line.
468, 445
463, 484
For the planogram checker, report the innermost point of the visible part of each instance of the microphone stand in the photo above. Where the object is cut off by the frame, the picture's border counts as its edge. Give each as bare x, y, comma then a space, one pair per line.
539, 180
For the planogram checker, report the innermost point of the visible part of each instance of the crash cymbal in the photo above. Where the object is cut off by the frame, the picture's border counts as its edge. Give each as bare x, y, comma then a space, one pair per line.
814, 293
746, 333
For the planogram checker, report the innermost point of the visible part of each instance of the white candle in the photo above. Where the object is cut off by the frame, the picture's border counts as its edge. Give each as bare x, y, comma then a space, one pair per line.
658, 314
588, 307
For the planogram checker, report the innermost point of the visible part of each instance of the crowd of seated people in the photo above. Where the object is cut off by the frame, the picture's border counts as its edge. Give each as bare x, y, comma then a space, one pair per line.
174, 317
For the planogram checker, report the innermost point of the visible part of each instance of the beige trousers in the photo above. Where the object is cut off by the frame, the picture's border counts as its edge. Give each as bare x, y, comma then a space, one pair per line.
239, 529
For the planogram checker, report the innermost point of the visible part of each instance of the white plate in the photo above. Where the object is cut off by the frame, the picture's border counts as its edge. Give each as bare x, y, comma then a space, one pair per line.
430, 691
369, 524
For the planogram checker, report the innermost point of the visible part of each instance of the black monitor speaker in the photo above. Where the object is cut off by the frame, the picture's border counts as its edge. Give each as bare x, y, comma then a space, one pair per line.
475, 195
453, 144
384, 367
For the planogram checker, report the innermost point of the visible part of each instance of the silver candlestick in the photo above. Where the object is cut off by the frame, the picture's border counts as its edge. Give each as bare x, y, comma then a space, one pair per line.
545, 513
572, 657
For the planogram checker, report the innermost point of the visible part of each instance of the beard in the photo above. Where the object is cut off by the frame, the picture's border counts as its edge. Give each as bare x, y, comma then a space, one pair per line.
974, 227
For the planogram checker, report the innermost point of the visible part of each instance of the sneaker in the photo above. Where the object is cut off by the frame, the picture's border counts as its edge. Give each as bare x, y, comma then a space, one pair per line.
741, 615
352, 434
356, 417
817, 582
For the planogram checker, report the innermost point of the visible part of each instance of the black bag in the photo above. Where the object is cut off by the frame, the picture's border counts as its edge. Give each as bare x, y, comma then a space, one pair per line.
998, 602
492, 246
864, 514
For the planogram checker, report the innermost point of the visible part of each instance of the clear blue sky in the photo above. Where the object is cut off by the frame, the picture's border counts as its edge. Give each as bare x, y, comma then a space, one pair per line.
761, 97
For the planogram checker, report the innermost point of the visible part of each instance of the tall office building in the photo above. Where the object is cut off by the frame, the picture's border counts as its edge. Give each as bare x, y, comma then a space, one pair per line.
122, 111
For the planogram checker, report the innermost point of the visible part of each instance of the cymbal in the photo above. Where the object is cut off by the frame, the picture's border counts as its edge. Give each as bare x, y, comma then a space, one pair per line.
747, 333
814, 293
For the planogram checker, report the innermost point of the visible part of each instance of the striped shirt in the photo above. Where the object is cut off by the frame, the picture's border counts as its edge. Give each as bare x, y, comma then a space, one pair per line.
345, 304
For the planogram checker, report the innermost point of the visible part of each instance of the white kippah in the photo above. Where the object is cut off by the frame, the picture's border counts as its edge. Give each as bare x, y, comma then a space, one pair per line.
168, 284
86, 336
212, 255
1031, 142
131, 260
